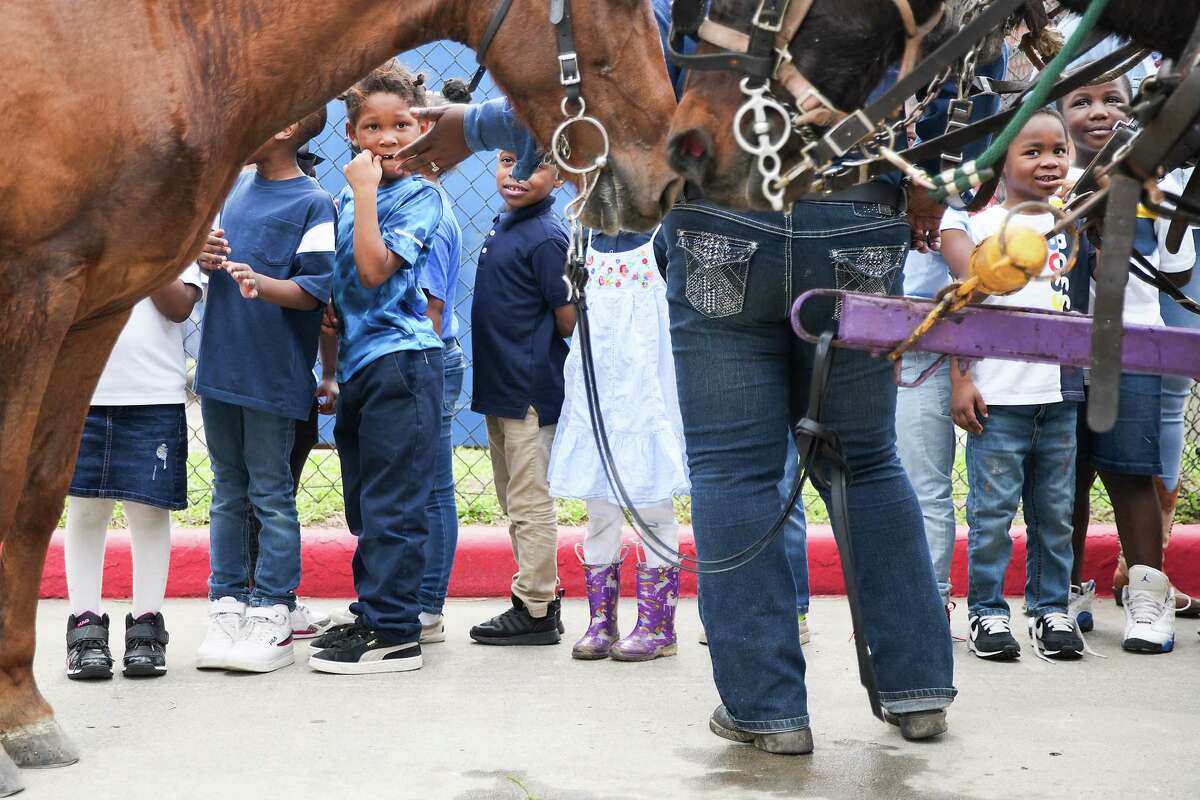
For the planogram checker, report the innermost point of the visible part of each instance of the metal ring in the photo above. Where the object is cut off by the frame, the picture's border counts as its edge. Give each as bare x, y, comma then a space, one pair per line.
562, 106
560, 133
434, 168
769, 146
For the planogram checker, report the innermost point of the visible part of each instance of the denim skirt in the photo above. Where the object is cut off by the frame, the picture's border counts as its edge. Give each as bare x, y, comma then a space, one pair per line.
136, 453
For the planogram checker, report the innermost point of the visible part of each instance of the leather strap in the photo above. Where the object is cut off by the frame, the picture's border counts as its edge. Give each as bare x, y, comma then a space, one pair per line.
485, 42
568, 59
96, 633
144, 630
1120, 220
1179, 225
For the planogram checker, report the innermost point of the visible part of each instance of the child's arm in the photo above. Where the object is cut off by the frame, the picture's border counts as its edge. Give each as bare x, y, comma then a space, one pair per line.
965, 399
176, 300
435, 309
327, 390
956, 249
564, 320
373, 260
286, 293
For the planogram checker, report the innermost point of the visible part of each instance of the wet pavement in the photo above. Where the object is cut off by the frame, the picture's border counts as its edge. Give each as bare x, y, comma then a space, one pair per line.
481, 723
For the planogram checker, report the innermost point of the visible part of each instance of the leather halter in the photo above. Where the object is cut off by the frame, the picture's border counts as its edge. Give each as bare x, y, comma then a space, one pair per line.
765, 52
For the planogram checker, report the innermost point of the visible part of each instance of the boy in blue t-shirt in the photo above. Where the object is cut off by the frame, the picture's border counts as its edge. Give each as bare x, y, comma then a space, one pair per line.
261, 327
390, 372
519, 317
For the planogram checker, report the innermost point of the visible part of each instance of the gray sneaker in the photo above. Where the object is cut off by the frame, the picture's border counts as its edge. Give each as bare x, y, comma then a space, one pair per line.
786, 743
434, 632
919, 724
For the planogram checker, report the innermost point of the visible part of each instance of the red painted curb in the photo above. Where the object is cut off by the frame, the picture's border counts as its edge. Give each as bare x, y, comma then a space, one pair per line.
484, 564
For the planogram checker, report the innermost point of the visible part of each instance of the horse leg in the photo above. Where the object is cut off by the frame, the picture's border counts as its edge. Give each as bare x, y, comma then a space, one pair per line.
28, 731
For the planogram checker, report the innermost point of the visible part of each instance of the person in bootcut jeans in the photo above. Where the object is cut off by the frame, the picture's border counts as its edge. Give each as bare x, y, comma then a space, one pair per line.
743, 377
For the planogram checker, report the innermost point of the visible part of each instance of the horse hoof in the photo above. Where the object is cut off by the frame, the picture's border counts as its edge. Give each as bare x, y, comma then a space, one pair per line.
39, 745
10, 778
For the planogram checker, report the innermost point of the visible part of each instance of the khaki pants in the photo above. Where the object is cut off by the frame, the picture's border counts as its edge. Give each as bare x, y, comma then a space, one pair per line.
520, 452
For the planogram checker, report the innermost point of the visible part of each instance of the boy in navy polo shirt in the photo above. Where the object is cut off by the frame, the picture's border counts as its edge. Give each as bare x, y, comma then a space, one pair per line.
519, 318
262, 321
390, 371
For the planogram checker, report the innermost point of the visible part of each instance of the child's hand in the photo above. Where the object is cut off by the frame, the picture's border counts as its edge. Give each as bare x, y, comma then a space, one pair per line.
365, 171
329, 321
246, 278
216, 251
965, 403
327, 396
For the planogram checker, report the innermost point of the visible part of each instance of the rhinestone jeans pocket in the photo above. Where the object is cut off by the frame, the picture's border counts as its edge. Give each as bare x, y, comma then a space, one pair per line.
866, 269
717, 269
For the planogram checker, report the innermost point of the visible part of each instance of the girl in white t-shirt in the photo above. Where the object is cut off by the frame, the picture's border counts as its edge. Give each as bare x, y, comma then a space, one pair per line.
1128, 457
1020, 422
134, 449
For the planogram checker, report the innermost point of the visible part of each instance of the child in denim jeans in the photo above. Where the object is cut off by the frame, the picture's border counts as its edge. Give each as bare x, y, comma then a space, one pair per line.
1020, 420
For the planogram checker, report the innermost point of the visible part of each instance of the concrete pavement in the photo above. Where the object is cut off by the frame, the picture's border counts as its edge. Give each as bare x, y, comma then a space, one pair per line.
481, 723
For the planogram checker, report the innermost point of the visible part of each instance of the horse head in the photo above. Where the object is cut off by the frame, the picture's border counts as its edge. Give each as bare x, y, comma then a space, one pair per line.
624, 86
842, 47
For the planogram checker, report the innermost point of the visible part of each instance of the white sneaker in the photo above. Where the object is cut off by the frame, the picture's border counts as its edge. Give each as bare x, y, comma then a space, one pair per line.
266, 643
1079, 605
805, 636
224, 628
307, 623
342, 616
1149, 611
435, 631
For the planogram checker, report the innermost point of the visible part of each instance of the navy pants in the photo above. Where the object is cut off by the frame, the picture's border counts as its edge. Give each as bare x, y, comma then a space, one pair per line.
388, 422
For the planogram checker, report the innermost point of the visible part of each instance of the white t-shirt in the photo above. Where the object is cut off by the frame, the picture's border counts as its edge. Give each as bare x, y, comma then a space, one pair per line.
147, 366
1141, 299
1020, 383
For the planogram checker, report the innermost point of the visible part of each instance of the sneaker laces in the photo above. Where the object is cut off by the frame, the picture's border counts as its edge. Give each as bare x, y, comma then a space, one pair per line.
1058, 621
260, 629
1144, 608
994, 624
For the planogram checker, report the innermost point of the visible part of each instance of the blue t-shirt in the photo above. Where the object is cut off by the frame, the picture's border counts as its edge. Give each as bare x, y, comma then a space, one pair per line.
254, 353
518, 355
440, 276
390, 317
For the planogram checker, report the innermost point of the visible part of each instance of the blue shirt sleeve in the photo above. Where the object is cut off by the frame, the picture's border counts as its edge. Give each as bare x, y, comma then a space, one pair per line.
548, 259
435, 276
408, 226
493, 125
312, 267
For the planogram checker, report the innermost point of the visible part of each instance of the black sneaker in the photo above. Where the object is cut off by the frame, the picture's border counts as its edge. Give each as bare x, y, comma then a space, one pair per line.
991, 637
1054, 636
336, 634
145, 646
362, 651
88, 657
517, 626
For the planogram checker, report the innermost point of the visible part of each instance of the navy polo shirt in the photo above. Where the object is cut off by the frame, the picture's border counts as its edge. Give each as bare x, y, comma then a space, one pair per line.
518, 355
253, 353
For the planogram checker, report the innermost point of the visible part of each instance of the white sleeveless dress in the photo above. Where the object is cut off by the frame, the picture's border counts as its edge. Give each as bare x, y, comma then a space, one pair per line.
635, 379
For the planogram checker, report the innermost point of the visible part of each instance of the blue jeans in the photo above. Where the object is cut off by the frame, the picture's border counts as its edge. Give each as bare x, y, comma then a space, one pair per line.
795, 530
443, 513
388, 423
743, 377
1176, 389
925, 442
250, 452
1029, 452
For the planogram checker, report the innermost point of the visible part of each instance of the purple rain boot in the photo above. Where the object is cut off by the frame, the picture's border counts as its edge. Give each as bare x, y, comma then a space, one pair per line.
603, 582
654, 634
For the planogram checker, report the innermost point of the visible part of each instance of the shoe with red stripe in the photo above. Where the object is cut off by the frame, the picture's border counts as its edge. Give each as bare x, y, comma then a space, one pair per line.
266, 641
308, 623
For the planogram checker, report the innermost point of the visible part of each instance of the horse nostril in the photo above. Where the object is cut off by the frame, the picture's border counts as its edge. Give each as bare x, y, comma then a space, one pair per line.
692, 146
690, 153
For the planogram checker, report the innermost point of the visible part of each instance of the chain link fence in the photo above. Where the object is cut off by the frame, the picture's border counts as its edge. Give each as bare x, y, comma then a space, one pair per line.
472, 186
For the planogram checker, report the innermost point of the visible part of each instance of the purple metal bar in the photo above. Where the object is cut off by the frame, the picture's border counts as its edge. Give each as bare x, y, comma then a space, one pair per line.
877, 324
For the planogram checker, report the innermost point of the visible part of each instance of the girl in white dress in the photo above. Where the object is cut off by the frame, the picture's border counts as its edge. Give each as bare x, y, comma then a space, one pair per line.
635, 377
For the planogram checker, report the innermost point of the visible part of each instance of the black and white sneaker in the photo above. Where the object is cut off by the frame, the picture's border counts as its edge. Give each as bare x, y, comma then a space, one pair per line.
336, 634
517, 626
145, 646
1054, 636
88, 657
991, 638
362, 651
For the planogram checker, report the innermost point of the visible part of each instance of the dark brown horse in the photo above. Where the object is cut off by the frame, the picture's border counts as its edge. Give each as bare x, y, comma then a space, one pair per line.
844, 48
125, 123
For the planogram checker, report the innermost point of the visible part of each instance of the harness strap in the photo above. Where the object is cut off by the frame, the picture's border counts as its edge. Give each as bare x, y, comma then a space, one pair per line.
568, 59
485, 42
1179, 225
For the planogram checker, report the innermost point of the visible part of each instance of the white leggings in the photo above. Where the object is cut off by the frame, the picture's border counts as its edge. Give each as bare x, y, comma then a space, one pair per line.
602, 544
150, 535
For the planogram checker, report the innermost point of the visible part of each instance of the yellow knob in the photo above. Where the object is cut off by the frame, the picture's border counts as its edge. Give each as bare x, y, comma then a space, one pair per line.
1022, 259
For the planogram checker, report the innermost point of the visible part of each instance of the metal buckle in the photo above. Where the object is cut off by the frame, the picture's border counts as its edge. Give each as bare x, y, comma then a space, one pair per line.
842, 137
568, 63
758, 23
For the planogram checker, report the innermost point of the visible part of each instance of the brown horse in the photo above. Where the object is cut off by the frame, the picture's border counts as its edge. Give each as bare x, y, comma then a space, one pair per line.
844, 48
125, 124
